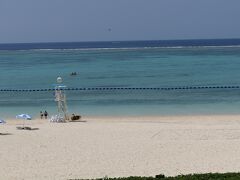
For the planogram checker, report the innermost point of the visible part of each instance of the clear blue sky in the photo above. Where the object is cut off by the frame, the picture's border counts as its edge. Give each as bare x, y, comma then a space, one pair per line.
109, 20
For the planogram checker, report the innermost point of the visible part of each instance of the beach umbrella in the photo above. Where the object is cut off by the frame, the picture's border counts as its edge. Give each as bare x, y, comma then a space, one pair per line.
2, 121
24, 117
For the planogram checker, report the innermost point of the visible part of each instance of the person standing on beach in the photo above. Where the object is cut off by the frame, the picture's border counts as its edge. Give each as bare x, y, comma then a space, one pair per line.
45, 114
41, 114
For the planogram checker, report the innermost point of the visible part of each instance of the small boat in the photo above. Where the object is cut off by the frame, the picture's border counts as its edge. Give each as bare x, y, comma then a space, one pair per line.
73, 74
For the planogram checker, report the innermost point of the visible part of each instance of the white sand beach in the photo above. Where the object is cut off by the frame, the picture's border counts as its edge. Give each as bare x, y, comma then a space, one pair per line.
120, 146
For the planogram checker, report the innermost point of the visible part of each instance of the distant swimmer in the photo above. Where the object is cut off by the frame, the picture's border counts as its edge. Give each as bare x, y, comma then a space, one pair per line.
73, 74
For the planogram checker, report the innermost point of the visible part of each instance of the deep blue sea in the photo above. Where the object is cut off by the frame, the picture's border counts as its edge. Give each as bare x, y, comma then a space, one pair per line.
122, 64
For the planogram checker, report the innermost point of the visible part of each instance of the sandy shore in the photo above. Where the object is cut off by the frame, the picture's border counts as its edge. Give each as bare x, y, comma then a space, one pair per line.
120, 146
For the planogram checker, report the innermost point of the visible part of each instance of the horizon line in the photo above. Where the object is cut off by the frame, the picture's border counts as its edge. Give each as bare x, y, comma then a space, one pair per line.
53, 42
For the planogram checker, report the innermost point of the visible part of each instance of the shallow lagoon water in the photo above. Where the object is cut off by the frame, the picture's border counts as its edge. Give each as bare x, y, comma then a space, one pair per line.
141, 67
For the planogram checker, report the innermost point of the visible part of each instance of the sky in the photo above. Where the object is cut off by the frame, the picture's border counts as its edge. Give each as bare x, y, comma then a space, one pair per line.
117, 20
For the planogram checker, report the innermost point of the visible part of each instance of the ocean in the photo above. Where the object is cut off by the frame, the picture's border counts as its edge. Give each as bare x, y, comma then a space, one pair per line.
127, 64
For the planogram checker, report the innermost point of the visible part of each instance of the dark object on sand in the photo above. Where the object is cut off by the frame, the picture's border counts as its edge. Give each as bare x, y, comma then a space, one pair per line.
75, 117
26, 128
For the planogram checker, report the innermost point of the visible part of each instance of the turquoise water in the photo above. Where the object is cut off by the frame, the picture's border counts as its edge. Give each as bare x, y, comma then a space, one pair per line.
140, 67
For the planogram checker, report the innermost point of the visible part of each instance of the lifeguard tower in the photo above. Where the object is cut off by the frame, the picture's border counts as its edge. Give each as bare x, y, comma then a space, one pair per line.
60, 98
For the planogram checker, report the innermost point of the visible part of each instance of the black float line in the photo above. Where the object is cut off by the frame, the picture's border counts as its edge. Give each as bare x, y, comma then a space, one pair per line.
124, 88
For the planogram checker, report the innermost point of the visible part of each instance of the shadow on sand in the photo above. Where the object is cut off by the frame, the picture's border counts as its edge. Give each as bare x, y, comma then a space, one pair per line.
4, 134
26, 128
72, 121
